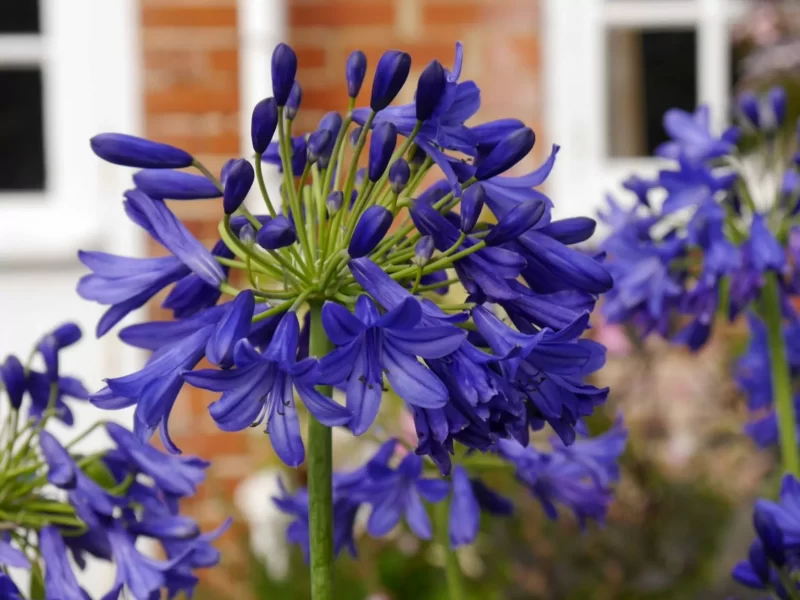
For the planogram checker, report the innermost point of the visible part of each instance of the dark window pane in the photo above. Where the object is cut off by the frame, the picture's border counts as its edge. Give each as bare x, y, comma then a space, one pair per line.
21, 130
19, 16
649, 72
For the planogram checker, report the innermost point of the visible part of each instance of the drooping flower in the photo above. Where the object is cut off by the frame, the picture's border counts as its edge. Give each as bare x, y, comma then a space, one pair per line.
261, 388
371, 343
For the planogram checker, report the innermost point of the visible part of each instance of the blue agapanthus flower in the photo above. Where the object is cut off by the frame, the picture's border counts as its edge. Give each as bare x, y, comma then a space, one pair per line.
475, 321
771, 560
63, 506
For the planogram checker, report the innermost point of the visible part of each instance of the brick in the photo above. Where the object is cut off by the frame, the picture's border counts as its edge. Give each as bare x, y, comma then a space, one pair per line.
343, 13
188, 16
310, 57
456, 14
224, 59
192, 99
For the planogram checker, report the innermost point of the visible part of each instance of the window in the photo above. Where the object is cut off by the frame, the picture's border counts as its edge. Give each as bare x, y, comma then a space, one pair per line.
65, 74
634, 59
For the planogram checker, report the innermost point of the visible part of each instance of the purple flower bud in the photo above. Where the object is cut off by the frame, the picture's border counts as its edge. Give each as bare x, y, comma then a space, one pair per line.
381, 147
334, 202
431, 86
263, 124
749, 107
399, 173
355, 70
276, 233
770, 534
776, 98
247, 234
354, 135
391, 74
226, 169
423, 251
284, 70
12, 376
132, 151
516, 222
237, 184
294, 101
318, 143
162, 184
573, 230
332, 122
471, 206
370, 229
361, 174
508, 152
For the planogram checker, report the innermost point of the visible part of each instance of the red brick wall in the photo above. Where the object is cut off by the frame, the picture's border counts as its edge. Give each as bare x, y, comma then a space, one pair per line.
191, 100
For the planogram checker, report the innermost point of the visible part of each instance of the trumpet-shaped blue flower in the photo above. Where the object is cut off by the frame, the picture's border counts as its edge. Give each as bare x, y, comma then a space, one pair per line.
578, 479
692, 138
261, 388
371, 344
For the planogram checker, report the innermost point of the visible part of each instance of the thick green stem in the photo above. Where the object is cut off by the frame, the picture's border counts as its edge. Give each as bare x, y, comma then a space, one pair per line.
781, 378
455, 584
320, 486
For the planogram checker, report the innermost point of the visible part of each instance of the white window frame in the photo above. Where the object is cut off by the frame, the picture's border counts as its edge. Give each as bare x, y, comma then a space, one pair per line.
262, 26
575, 86
88, 53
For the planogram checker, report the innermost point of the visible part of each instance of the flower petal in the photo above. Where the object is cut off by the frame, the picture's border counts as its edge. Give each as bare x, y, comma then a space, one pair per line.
412, 381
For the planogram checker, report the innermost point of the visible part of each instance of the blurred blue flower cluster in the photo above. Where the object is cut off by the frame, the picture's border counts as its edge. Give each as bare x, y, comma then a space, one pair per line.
60, 507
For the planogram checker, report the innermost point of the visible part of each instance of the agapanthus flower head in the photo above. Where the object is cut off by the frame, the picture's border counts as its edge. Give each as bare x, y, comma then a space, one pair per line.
63, 506
333, 259
725, 236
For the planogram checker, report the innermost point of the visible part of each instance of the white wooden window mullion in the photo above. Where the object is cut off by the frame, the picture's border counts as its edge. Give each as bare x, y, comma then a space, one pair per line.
21, 50
648, 14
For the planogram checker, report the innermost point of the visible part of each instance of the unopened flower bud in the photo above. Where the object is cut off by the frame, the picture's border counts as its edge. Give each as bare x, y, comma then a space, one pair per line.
355, 71
471, 207
277, 233
507, 153
294, 101
390, 75
354, 135
399, 173
263, 124
334, 202
247, 234
381, 147
132, 151
238, 182
284, 70
163, 184
318, 143
370, 229
431, 86
423, 251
